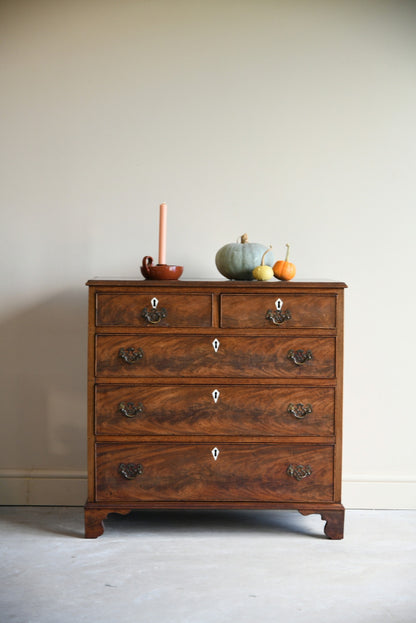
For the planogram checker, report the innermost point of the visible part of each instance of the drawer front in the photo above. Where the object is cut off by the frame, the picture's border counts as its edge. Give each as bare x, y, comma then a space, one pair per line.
208, 356
214, 410
273, 311
189, 472
154, 308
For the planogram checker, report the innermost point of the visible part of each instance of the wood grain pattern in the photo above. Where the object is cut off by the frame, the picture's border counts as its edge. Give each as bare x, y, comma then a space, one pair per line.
182, 310
184, 356
191, 410
250, 311
334, 518
243, 471
268, 458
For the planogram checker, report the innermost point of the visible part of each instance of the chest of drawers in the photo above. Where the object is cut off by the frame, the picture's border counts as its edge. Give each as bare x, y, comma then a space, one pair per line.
215, 394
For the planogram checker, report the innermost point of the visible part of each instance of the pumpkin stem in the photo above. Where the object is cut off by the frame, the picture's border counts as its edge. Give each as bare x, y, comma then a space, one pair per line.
264, 255
244, 239
287, 253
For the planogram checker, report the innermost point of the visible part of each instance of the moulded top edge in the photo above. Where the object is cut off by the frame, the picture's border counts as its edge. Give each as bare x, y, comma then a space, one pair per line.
213, 283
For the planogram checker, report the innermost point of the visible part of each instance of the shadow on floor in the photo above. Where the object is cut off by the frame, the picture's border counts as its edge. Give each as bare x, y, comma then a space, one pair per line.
213, 521
69, 522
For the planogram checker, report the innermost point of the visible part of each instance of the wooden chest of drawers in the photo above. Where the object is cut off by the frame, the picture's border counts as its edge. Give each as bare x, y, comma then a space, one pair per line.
215, 394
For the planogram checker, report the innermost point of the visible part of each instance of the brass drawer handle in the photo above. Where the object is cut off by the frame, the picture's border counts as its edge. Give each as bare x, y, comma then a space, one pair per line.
299, 410
154, 315
299, 357
299, 472
130, 470
278, 317
130, 355
129, 409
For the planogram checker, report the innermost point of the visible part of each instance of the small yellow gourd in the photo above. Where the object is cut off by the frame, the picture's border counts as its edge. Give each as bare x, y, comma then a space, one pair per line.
262, 272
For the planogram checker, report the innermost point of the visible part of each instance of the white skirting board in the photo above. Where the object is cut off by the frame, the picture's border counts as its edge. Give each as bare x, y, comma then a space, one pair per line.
69, 488
43, 488
384, 492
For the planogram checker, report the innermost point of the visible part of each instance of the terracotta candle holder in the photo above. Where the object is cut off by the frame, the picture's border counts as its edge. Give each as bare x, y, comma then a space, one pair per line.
159, 271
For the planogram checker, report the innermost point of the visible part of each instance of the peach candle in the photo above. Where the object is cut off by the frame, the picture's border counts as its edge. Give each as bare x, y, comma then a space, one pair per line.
162, 233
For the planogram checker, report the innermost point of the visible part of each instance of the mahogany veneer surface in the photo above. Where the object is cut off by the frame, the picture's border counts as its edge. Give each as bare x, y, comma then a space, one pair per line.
194, 356
247, 409
215, 394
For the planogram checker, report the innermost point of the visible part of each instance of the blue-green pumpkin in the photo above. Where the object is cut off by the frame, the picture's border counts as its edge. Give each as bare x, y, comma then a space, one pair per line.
237, 260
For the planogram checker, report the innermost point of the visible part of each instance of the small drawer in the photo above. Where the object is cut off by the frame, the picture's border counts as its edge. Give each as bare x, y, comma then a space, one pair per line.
291, 311
214, 472
154, 309
209, 356
249, 410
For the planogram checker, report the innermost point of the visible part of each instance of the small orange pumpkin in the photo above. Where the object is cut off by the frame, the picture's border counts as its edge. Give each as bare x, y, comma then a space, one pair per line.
283, 269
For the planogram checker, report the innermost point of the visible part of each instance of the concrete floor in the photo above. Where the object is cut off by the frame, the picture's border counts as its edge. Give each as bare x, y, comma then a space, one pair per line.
206, 567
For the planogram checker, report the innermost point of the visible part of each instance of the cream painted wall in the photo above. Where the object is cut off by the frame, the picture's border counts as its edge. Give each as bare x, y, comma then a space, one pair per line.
293, 121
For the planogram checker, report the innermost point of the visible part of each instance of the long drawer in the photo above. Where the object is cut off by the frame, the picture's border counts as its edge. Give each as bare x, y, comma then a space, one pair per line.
249, 410
213, 472
209, 356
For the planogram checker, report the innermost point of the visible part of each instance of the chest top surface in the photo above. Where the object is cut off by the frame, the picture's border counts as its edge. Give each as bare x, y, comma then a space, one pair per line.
215, 283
